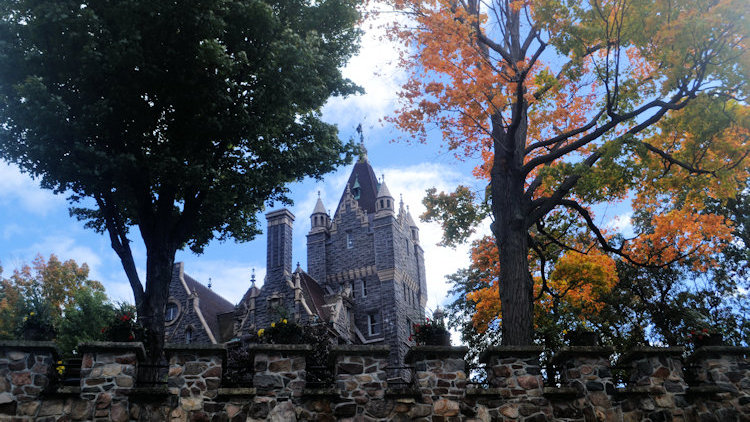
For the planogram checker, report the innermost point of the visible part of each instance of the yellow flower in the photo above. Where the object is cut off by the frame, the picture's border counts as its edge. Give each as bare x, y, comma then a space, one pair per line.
284, 321
260, 332
60, 369
32, 313
273, 324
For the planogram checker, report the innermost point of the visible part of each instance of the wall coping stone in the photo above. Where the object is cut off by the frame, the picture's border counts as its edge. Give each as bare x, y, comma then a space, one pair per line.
196, 347
418, 353
30, 345
359, 350
263, 347
705, 351
646, 351
114, 346
510, 351
566, 353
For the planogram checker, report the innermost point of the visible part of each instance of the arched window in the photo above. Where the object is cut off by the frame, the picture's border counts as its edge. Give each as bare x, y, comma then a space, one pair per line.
171, 311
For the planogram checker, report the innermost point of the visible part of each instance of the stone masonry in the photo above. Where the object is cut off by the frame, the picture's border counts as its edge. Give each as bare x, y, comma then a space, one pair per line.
655, 389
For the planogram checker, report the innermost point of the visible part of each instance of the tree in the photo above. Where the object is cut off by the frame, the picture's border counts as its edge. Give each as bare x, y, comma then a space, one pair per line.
179, 120
571, 105
58, 299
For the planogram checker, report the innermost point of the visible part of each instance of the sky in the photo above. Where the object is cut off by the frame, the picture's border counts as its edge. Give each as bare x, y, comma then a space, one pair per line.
34, 221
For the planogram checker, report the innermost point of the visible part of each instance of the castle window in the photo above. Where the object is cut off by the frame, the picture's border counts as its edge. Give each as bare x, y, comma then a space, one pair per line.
373, 326
388, 203
364, 288
170, 313
408, 248
189, 335
381, 203
349, 240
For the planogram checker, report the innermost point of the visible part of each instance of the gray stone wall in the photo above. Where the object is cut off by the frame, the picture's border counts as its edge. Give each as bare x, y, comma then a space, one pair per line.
516, 392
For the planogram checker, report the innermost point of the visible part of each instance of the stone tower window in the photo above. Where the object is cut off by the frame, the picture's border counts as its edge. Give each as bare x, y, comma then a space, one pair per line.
373, 327
349, 240
381, 203
408, 248
364, 288
189, 335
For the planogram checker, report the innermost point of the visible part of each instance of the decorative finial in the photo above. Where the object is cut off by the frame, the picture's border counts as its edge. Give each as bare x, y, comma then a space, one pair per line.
252, 277
318, 194
209, 282
298, 266
382, 177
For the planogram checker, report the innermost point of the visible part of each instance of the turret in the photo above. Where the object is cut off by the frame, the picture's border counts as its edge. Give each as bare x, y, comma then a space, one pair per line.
319, 219
412, 227
384, 202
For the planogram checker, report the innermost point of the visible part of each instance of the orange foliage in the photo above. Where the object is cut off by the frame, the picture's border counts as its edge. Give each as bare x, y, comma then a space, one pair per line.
579, 280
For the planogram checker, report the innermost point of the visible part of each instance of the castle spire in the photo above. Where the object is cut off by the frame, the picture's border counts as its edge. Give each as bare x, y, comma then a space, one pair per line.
362, 149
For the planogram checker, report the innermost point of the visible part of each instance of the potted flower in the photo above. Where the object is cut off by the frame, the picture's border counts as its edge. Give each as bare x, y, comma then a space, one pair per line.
705, 336
123, 327
431, 333
281, 332
37, 323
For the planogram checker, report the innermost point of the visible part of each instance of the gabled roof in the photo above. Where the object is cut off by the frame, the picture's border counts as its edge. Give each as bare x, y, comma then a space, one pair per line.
313, 294
364, 175
210, 304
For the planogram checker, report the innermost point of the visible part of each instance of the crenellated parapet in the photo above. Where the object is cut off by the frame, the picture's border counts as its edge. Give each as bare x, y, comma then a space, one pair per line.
647, 383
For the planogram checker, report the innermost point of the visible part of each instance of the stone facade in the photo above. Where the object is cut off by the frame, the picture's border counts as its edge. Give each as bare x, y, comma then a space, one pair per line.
365, 280
718, 388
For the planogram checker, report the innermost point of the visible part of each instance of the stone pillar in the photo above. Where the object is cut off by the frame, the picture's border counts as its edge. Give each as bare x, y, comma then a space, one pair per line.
279, 369
26, 370
361, 379
656, 385
588, 371
440, 373
515, 376
722, 378
195, 376
108, 374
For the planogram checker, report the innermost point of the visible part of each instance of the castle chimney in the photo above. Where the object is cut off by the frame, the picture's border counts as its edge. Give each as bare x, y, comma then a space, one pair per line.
279, 251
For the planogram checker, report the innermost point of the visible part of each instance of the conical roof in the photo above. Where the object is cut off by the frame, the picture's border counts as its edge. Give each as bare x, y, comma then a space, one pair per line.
409, 220
383, 192
319, 207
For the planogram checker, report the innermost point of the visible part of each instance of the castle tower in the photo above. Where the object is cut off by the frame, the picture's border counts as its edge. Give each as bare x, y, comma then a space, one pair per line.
367, 248
316, 251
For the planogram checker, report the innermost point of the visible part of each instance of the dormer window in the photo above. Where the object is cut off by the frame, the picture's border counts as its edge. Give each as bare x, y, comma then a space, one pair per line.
189, 335
349, 240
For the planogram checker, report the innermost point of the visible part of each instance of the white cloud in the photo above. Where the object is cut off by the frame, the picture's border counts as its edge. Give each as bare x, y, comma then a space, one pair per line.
621, 223
374, 69
18, 188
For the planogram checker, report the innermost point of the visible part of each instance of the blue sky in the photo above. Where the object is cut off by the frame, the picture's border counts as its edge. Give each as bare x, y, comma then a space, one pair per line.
35, 221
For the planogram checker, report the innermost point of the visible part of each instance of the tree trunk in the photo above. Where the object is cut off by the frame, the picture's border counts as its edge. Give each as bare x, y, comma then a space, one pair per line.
159, 267
510, 209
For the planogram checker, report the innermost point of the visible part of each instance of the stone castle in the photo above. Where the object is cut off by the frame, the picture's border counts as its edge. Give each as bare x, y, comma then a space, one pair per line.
365, 278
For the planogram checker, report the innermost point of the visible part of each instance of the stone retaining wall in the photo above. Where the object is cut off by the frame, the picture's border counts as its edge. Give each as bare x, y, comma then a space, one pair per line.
716, 388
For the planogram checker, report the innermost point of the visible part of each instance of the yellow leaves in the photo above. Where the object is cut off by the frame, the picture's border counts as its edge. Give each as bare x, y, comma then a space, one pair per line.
583, 279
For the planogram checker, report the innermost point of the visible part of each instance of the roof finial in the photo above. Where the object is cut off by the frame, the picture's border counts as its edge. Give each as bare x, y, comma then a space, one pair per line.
209, 282
252, 277
318, 194
362, 149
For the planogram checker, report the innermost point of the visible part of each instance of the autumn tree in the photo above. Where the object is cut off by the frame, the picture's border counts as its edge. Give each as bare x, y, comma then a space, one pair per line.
572, 104
58, 295
177, 120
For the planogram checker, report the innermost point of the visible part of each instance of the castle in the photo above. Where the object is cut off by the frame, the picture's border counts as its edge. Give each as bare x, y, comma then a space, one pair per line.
365, 277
